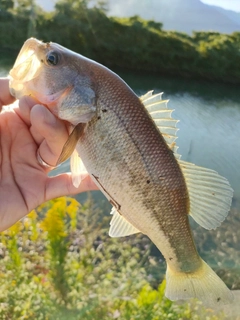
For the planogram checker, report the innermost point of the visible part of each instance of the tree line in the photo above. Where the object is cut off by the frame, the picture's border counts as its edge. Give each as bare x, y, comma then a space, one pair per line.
128, 43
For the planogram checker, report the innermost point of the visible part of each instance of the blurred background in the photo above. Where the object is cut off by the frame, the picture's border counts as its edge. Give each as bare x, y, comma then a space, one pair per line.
190, 50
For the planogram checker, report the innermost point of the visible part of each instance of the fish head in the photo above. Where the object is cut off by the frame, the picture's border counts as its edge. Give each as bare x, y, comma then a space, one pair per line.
57, 77
61, 80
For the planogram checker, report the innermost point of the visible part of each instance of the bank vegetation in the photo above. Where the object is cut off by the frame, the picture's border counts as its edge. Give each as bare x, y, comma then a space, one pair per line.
131, 43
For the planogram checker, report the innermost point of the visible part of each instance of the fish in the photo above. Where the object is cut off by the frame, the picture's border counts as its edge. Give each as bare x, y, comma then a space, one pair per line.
127, 144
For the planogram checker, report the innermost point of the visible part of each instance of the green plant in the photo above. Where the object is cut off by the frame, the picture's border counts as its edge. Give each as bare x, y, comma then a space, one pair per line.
60, 263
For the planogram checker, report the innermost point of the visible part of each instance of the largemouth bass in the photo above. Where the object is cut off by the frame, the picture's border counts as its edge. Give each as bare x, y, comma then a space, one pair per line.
127, 145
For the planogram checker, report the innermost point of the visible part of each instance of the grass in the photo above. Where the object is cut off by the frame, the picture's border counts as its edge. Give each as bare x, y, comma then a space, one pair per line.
60, 263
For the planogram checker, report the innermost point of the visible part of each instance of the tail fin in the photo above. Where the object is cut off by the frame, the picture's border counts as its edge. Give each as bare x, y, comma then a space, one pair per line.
204, 284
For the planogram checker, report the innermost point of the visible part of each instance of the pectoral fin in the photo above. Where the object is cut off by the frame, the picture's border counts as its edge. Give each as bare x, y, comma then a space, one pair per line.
71, 143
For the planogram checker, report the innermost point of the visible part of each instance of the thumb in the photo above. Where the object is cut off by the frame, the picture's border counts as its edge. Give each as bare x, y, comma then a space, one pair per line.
49, 132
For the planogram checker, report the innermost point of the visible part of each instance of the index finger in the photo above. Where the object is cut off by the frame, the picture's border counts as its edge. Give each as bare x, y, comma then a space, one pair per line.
5, 96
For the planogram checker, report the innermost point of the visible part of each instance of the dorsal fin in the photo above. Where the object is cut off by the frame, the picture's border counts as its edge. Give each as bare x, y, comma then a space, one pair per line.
162, 117
210, 195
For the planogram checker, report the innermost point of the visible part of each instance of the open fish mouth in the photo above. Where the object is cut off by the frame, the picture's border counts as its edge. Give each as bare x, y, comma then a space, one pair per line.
28, 75
26, 67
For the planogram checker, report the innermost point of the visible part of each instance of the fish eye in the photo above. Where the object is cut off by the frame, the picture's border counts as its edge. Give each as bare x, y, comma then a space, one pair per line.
52, 58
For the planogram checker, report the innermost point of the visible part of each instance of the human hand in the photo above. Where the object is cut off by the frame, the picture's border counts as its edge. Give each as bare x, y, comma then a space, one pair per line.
24, 183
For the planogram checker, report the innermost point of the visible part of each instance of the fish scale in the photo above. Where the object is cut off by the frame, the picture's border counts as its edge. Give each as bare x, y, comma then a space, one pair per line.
135, 133
127, 144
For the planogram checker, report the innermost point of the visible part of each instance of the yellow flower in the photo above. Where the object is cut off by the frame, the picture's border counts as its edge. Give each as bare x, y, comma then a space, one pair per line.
15, 229
54, 222
29, 219
72, 207
32, 215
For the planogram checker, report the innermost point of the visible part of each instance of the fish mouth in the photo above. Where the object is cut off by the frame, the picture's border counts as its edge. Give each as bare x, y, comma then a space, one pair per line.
27, 64
26, 67
27, 75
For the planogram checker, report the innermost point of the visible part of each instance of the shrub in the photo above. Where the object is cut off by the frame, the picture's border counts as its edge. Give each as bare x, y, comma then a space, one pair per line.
59, 263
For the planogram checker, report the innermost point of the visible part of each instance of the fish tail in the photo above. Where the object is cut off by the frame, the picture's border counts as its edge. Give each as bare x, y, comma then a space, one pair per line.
203, 284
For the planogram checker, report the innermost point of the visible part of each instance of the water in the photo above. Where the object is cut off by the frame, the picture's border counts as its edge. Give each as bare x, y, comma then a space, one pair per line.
3, 71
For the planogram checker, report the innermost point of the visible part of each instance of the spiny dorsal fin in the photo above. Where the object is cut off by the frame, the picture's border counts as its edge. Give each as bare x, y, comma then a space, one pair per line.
210, 195
162, 117
119, 226
147, 95
78, 169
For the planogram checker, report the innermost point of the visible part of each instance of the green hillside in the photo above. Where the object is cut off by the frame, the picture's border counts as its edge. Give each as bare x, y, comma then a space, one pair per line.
127, 43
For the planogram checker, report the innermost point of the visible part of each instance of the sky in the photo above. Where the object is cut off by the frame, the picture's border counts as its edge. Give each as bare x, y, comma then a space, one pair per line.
226, 4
